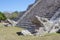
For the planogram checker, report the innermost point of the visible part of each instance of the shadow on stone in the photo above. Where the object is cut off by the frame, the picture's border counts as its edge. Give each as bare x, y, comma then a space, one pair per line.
19, 33
58, 31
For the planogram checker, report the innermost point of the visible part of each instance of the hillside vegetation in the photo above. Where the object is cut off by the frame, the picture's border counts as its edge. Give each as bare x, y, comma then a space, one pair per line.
2, 16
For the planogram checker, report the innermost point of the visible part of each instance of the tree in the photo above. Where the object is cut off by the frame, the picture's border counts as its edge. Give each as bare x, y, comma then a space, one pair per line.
2, 16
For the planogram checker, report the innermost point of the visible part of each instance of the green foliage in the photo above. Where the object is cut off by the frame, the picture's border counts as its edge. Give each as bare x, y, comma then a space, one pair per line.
2, 16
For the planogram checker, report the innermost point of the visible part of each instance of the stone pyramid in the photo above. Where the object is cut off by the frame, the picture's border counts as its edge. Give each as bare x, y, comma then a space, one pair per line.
41, 8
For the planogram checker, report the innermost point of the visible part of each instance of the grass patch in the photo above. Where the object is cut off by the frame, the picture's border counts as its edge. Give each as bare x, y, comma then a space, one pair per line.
9, 33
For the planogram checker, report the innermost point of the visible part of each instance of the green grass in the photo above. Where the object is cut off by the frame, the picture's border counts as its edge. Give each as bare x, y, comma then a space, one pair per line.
9, 33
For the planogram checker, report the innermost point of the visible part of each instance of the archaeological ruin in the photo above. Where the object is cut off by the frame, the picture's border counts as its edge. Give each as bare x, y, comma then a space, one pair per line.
41, 17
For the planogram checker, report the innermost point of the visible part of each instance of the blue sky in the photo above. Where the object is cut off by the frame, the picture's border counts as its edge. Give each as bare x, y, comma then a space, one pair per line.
14, 5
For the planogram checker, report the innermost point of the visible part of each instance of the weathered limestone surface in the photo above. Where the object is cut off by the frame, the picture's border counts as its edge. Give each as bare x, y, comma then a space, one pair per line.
43, 8
48, 26
43, 26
